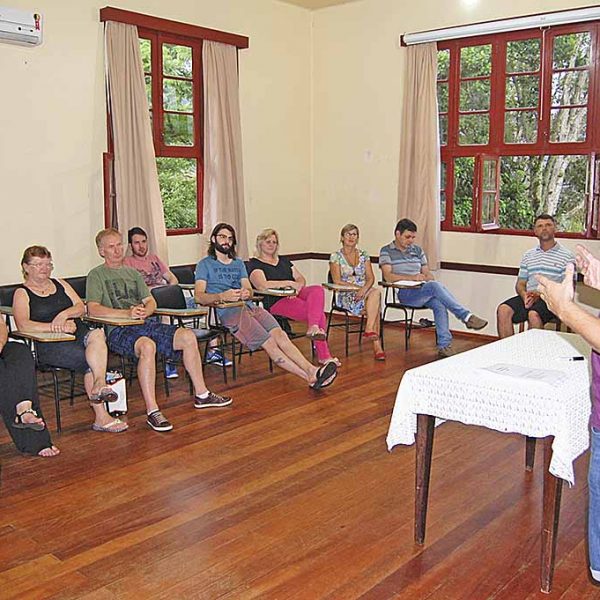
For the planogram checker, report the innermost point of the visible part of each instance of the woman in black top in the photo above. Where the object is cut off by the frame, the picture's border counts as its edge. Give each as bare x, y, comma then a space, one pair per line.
44, 304
19, 404
269, 270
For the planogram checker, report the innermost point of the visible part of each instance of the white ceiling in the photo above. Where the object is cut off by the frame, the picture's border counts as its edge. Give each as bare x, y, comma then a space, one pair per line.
314, 4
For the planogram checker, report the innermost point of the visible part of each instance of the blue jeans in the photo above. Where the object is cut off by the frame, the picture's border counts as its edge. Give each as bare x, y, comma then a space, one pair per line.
434, 295
594, 506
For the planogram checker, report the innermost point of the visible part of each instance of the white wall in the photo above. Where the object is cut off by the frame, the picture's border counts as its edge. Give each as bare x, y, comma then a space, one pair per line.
53, 130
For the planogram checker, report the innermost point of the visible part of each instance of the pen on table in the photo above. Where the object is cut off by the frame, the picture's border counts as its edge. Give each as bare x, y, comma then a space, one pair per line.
571, 358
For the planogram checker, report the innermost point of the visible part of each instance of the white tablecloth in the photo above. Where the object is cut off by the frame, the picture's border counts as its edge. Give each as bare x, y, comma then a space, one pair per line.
457, 389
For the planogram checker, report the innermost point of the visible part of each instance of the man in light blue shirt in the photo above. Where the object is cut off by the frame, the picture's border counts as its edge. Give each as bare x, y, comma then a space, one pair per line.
549, 259
403, 260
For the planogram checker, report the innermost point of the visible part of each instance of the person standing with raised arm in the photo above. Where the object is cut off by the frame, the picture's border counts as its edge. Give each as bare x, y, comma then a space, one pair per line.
560, 298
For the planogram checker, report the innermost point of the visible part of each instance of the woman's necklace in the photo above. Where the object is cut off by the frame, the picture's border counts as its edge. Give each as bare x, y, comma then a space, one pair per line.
43, 290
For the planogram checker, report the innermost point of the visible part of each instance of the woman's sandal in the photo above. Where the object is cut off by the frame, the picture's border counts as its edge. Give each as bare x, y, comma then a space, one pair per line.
332, 359
116, 426
325, 376
370, 335
317, 336
20, 424
379, 355
106, 394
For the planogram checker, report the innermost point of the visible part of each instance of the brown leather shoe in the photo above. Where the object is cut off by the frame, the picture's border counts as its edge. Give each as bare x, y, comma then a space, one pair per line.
475, 322
446, 351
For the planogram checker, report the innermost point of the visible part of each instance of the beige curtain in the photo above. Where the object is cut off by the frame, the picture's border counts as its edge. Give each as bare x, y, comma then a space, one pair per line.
136, 179
419, 186
223, 173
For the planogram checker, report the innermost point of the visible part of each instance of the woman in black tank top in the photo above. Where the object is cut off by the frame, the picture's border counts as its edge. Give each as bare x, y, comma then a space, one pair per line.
45, 304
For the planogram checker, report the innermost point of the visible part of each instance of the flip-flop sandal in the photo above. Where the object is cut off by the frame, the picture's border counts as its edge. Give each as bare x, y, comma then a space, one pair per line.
106, 394
317, 336
333, 359
329, 381
324, 374
20, 424
109, 427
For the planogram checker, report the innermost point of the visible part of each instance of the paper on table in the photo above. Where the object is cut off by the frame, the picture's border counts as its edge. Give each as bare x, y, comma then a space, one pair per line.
407, 283
282, 290
550, 376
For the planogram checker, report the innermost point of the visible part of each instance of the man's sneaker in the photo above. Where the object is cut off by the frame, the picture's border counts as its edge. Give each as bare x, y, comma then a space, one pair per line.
475, 322
446, 351
212, 400
158, 421
171, 371
215, 357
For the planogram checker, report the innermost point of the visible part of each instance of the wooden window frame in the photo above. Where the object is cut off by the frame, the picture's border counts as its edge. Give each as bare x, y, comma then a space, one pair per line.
164, 31
497, 148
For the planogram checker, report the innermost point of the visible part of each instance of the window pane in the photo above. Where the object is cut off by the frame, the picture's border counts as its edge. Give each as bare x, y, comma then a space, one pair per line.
488, 209
520, 127
178, 130
475, 61
443, 176
570, 87
489, 175
443, 64
474, 129
523, 56
177, 60
442, 97
146, 52
475, 95
464, 170
568, 124
443, 121
531, 185
177, 179
572, 50
178, 95
522, 91
149, 89
442, 206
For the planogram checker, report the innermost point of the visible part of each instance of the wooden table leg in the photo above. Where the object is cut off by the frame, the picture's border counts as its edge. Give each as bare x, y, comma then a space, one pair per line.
550, 514
529, 453
425, 429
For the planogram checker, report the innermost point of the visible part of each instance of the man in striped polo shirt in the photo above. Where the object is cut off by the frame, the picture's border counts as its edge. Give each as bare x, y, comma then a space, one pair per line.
404, 260
549, 259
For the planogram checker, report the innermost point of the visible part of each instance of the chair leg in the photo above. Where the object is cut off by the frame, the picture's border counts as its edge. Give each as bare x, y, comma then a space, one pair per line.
347, 331
56, 401
329, 322
162, 365
72, 398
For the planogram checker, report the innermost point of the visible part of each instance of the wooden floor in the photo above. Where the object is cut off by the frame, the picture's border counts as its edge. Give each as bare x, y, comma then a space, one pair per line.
286, 494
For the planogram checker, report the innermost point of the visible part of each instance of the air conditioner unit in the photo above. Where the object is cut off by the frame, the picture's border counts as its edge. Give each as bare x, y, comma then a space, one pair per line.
20, 27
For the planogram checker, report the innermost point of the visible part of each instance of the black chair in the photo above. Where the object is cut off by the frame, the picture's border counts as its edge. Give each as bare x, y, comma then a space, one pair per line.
184, 273
7, 293
171, 296
78, 284
391, 301
335, 307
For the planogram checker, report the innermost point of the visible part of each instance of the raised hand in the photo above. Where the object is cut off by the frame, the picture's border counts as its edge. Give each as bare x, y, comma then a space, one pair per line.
557, 295
589, 266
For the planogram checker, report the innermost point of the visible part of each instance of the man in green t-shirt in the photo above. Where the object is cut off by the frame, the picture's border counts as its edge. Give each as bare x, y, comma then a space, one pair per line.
114, 291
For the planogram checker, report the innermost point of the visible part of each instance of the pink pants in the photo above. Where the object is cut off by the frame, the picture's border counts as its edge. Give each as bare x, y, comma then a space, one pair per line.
307, 306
